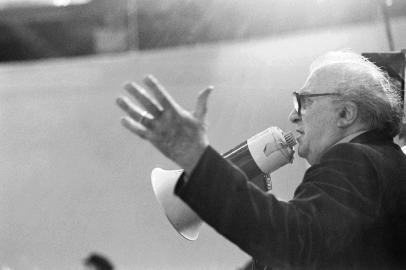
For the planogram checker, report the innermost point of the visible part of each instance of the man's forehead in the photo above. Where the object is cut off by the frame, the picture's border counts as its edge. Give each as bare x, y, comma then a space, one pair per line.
320, 81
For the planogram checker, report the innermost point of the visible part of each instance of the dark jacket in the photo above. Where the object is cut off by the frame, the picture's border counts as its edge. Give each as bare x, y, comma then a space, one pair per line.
349, 212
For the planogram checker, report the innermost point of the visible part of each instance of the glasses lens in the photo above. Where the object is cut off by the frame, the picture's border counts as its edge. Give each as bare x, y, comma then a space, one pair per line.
296, 102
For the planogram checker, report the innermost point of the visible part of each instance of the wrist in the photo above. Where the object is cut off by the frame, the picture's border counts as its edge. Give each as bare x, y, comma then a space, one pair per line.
192, 158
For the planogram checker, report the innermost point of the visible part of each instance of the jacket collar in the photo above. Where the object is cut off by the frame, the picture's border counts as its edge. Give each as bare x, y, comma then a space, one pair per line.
372, 136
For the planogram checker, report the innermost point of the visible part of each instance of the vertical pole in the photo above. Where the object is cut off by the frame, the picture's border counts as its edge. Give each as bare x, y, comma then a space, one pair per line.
132, 25
385, 16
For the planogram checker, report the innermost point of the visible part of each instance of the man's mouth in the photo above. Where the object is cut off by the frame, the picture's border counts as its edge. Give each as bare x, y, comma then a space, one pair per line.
299, 133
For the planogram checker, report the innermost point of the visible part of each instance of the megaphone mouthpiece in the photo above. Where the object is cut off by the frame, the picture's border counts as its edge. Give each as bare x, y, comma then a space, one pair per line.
290, 139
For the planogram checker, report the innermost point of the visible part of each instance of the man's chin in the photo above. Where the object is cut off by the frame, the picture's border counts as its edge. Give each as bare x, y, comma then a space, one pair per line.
300, 152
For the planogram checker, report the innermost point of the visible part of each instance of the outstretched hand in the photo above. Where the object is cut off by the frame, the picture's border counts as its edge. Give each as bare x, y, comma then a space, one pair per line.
177, 133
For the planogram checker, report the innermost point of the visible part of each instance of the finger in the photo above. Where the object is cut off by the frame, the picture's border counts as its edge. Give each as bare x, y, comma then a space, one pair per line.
132, 110
159, 92
139, 93
201, 105
134, 127
138, 115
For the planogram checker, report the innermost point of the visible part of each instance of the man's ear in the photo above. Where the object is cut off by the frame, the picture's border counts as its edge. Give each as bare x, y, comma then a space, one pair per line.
347, 114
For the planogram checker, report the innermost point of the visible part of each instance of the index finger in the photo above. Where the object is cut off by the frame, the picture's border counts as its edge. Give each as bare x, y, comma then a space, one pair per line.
159, 92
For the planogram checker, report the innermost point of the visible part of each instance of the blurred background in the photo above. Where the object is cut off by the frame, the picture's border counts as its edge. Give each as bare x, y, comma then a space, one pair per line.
73, 181
33, 29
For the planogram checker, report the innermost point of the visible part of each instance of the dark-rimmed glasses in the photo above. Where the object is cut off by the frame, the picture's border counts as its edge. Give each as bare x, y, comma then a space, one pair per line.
298, 99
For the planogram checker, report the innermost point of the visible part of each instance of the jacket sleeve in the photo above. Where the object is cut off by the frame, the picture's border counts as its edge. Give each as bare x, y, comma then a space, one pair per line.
332, 204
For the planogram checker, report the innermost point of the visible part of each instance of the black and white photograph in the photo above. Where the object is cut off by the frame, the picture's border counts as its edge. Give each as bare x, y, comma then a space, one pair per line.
202, 135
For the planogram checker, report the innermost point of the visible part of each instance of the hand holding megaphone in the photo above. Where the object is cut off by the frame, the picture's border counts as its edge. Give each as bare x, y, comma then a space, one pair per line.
261, 154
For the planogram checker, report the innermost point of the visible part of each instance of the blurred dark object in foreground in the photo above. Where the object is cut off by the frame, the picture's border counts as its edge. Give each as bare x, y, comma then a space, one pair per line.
97, 261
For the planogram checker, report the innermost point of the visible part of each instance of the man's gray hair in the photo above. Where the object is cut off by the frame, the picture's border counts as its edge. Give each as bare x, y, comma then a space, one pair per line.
370, 88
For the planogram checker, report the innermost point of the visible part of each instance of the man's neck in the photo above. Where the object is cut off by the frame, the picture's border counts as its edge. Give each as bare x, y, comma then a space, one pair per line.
350, 133
348, 138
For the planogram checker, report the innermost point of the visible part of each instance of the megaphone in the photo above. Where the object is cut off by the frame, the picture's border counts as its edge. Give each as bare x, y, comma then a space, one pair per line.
263, 153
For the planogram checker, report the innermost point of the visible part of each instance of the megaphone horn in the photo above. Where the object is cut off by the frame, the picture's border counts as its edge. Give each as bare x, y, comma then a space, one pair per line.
179, 214
263, 153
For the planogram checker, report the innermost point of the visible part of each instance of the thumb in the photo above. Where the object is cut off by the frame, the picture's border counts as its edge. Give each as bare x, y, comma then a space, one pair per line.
201, 105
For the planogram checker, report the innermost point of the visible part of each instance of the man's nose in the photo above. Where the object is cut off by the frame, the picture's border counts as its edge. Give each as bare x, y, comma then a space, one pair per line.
294, 117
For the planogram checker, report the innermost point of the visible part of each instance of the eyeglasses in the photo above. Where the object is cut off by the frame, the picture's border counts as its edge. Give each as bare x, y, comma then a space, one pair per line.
298, 99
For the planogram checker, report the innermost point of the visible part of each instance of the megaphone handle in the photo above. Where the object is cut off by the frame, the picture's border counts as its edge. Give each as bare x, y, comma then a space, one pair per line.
268, 181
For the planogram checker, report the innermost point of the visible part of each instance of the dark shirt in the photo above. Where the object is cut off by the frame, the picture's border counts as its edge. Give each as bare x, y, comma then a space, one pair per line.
349, 212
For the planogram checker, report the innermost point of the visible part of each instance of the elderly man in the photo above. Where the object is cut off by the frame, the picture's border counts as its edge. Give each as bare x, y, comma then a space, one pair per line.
349, 212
